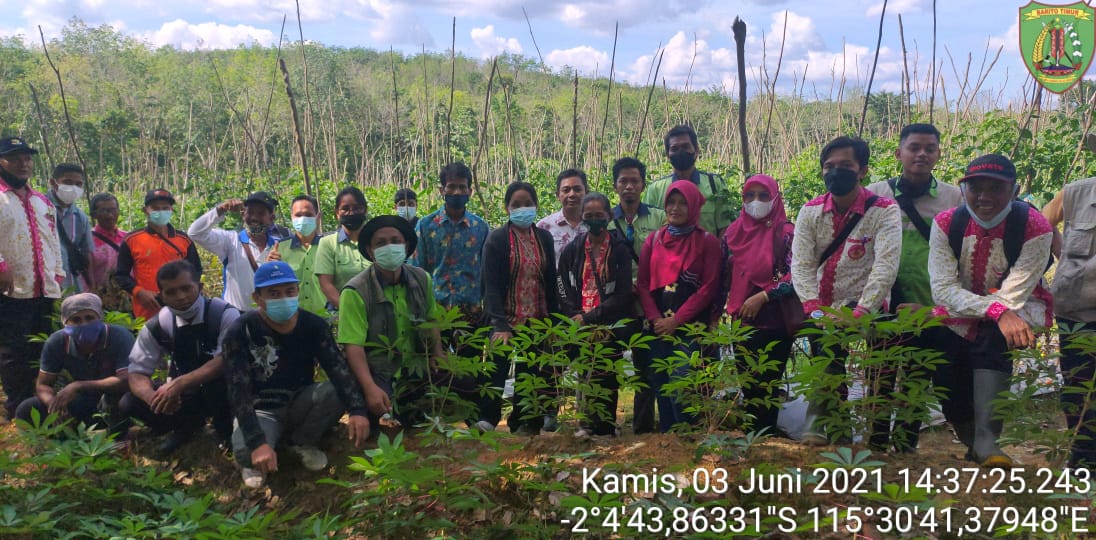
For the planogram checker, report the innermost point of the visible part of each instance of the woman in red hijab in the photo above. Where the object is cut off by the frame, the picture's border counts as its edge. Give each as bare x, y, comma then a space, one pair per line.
759, 245
679, 283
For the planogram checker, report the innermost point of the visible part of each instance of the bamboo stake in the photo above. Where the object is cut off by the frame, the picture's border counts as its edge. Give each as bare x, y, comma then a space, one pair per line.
42, 126
574, 124
608, 93
647, 106
905, 71
874, 65
534, 38
309, 127
452, 89
772, 97
739, 28
932, 73
68, 118
296, 127
397, 142
483, 131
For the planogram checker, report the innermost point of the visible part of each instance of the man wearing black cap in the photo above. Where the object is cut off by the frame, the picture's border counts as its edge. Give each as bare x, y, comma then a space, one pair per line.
387, 303
31, 270
241, 252
144, 251
986, 265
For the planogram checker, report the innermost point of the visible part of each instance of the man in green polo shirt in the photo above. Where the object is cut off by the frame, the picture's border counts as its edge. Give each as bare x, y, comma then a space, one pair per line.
721, 206
921, 197
382, 310
300, 252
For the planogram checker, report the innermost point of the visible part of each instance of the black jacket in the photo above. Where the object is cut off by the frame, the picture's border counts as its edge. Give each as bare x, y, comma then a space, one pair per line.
496, 279
618, 300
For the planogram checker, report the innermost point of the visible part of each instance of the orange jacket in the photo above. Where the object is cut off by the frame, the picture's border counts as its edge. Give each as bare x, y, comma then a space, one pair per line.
141, 255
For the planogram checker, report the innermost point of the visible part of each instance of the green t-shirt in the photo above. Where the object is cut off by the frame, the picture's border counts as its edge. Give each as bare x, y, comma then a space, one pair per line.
720, 208
338, 256
354, 326
303, 261
912, 282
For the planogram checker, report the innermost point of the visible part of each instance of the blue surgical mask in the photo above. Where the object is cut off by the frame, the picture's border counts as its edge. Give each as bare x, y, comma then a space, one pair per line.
304, 225
281, 310
390, 257
406, 212
523, 217
159, 217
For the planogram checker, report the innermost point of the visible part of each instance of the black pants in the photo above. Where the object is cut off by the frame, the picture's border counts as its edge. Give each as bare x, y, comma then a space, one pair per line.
210, 401
989, 350
643, 404
490, 407
20, 318
1079, 372
901, 378
760, 391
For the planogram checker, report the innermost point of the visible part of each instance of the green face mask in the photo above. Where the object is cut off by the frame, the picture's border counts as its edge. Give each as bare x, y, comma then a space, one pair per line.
159, 217
390, 257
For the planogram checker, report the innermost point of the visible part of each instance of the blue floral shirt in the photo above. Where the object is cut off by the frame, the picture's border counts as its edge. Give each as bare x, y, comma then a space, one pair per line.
450, 252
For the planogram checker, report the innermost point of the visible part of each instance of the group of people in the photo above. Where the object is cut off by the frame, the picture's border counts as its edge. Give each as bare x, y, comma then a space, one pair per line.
671, 252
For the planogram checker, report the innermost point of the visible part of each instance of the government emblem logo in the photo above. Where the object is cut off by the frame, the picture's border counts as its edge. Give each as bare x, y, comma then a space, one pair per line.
1057, 43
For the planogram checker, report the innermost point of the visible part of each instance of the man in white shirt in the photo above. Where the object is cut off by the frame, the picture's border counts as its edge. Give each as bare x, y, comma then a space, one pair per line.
565, 224
241, 252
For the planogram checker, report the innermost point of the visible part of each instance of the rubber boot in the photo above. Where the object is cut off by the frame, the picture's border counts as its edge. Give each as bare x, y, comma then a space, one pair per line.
988, 383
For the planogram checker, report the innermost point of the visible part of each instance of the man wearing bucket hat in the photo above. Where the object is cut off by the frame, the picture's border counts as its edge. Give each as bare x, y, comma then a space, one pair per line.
96, 356
986, 265
387, 303
31, 270
271, 355
241, 251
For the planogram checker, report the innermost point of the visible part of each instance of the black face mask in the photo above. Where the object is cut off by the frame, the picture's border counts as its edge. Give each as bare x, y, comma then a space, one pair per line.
682, 161
840, 181
596, 226
352, 222
12, 180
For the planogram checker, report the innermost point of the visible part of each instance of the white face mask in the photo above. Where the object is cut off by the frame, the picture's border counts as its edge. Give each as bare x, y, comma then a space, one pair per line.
190, 312
69, 194
995, 221
759, 209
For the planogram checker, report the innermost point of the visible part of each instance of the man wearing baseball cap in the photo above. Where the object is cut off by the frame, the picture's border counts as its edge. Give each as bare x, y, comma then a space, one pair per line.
144, 251
241, 251
96, 356
31, 270
271, 355
986, 265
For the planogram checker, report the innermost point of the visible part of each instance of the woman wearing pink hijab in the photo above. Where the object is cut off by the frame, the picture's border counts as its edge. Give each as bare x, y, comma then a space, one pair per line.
679, 283
759, 245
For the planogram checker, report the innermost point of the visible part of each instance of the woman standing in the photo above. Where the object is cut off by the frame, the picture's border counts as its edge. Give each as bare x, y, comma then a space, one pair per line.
519, 284
759, 246
678, 284
107, 238
337, 255
596, 278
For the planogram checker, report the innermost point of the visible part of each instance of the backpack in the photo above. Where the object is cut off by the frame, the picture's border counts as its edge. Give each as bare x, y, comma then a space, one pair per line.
162, 327
1015, 225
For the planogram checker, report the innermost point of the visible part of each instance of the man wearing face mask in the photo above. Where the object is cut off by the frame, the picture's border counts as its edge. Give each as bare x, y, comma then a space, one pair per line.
145, 250
986, 265
188, 329
682, 149
92, 352
271, 354
241, 252
845, 253
407, 203
387, 303
300, 252
73, 226
31, 270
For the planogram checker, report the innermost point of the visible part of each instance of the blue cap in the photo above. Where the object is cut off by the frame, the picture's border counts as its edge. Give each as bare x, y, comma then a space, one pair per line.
274, 273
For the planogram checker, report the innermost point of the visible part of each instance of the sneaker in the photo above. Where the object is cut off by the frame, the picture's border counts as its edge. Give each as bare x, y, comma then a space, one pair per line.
312, 458
551, 425
483, 426
253, 478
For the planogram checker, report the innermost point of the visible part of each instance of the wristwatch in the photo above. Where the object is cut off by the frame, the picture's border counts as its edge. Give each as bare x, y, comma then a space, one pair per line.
817, 314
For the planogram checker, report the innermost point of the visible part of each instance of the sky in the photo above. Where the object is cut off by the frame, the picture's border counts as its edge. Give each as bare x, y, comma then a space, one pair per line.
821, 40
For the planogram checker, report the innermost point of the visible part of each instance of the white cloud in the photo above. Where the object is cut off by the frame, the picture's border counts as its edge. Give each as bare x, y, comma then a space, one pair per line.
897, 6
208, 35
587, 60
491, 45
